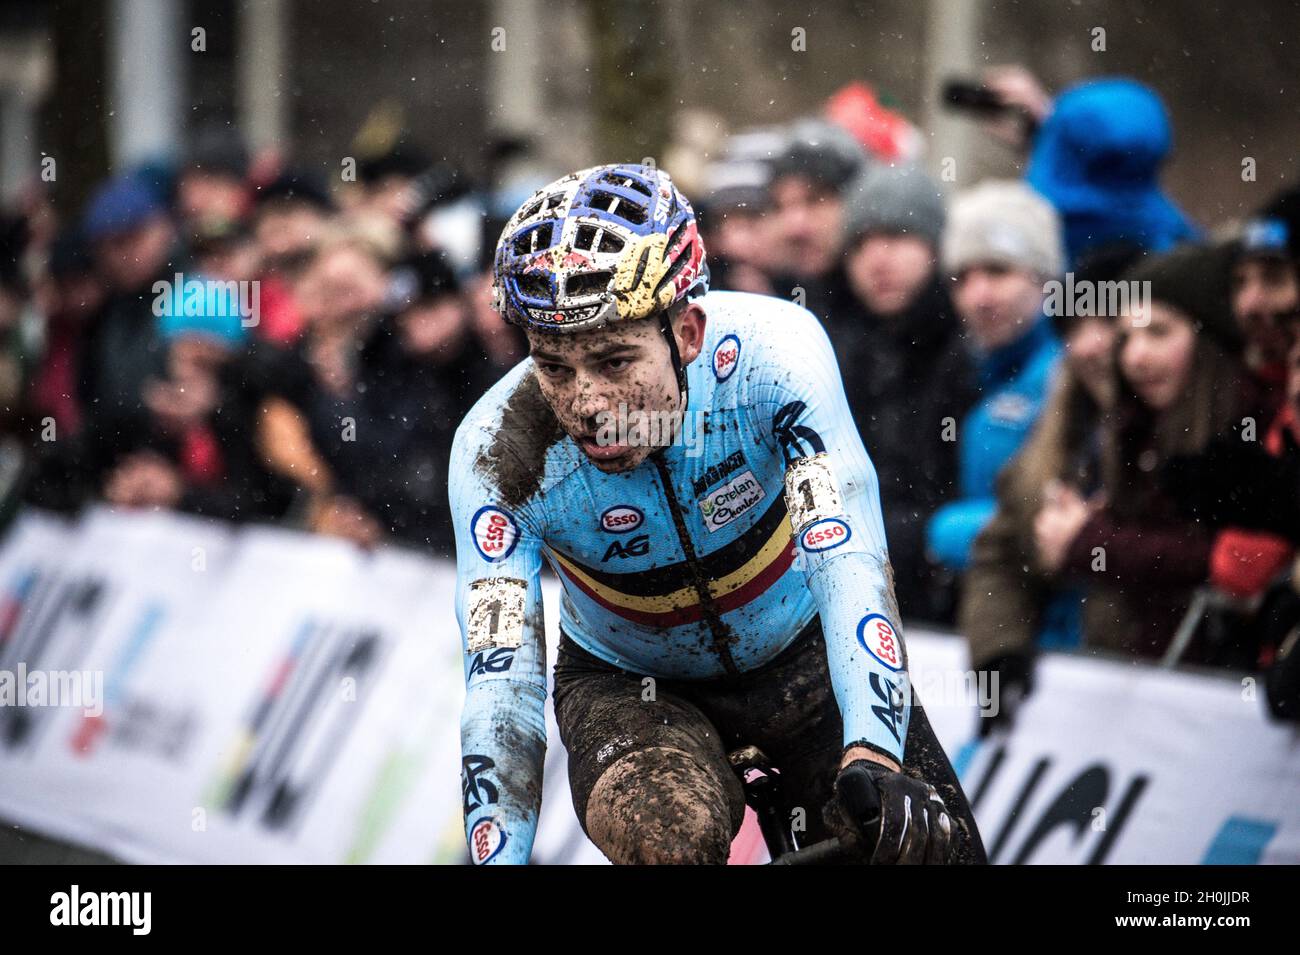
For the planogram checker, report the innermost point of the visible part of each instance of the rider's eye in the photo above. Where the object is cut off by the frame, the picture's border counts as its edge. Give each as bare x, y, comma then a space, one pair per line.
551, 370
617, 364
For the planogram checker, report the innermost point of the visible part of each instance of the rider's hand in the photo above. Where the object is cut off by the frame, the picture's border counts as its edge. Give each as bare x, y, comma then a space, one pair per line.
913, 823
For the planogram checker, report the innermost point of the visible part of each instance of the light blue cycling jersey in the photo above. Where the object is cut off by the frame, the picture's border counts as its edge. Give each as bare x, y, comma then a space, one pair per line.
705, 560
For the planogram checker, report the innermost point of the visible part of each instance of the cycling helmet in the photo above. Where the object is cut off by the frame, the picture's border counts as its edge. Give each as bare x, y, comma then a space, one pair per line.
606, 244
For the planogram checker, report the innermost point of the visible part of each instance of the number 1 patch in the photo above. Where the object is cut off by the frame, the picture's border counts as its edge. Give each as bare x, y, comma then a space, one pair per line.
496, 613
811, 491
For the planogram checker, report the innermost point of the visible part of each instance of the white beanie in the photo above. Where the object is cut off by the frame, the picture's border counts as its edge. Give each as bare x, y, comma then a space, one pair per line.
1003, 221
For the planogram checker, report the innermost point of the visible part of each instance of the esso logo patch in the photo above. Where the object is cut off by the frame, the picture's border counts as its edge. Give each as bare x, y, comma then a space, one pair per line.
879, 637
726, 354
621, 518
825, 534
486, 840
495, 533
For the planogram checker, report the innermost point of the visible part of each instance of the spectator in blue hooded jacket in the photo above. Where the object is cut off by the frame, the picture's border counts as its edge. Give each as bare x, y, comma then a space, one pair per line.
1001, 245
1097, 159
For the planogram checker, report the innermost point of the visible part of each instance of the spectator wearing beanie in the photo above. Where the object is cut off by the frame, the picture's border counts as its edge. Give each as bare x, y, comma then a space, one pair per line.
213, 185
1179, 385
1002, 243
1266, 308
192, 449
810, 179
1266, 293
904, 366
129, 228
735, 224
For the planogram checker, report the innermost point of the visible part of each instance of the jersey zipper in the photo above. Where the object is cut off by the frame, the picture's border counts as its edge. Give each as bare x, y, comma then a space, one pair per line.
723, 636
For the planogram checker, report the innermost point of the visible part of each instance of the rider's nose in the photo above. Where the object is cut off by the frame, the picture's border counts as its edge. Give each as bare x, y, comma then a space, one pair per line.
587, 404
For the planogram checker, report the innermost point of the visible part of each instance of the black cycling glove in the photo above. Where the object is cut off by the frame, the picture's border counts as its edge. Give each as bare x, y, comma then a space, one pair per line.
913, 824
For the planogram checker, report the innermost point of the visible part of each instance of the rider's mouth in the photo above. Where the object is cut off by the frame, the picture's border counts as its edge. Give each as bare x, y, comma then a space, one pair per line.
599, 451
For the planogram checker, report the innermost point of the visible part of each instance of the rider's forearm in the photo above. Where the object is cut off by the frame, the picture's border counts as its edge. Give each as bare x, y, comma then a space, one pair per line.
864, 650
503, 749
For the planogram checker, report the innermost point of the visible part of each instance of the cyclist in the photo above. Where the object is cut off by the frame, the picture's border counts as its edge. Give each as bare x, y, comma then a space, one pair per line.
687, 464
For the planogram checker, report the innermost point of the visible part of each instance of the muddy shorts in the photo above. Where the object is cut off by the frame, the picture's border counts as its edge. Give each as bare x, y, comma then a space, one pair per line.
676, 734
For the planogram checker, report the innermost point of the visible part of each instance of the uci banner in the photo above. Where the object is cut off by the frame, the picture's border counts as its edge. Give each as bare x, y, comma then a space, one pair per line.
174, 690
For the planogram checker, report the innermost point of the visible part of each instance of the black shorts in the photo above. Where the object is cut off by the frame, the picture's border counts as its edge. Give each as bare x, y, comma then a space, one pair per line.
786, 708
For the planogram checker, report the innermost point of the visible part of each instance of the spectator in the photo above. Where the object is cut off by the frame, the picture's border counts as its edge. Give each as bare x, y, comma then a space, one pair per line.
213, 186
737, 227
1097, 159
1002, 243
1266, 307
135, 246
1266, 293
809, 181
312, 411
905, 367
290, 217
191, 450
418, 375
1179, 385
71, 294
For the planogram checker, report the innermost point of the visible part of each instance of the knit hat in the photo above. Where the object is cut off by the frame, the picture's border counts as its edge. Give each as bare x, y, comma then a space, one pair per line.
219, 150
1196, 280
203, 308
120, 205
1274, 231
894, 199
820, 151
1005, 222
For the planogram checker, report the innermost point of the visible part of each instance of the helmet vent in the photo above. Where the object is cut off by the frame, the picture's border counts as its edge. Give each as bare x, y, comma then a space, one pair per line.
545, 204
617, 205
588, 283
627, 182
536, 287
538, 237
595, 239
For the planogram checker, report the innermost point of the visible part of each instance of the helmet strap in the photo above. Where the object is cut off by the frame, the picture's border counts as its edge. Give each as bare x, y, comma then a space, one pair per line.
666, 326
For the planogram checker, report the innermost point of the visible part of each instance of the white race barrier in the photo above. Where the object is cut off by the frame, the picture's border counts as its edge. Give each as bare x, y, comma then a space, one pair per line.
265, 696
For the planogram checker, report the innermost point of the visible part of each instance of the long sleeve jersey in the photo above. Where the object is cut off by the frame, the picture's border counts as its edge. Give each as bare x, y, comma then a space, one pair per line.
704, 561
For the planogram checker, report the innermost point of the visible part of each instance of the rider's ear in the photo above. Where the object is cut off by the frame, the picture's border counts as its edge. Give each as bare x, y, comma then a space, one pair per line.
690, 332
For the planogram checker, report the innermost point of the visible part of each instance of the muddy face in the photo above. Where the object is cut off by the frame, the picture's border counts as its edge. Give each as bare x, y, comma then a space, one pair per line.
613, 390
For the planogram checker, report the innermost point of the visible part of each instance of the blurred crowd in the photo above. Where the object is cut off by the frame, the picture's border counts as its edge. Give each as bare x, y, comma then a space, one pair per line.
1081, 405
1062, 464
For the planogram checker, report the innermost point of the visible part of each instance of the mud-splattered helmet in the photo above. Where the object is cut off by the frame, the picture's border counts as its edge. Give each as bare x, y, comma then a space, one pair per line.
606, 244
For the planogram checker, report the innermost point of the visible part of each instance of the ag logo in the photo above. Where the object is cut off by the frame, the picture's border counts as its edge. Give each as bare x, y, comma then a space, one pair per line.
879, 638
825, 534
890, 708
638, 546
621, 518
487, 839
726, 355
495, 533
498, 661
